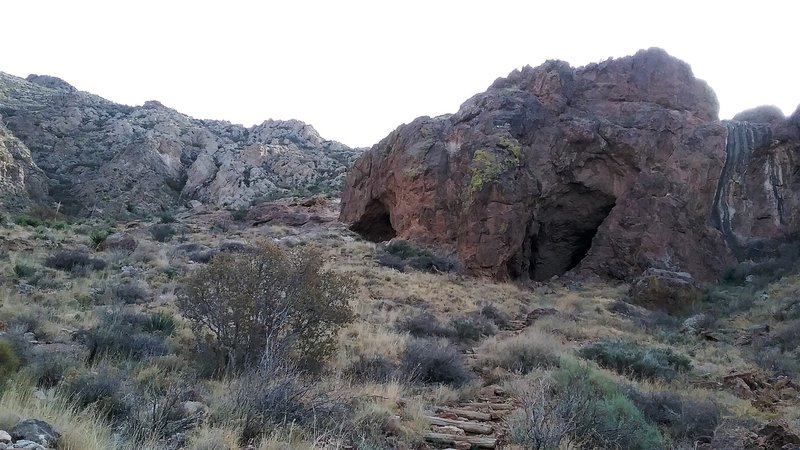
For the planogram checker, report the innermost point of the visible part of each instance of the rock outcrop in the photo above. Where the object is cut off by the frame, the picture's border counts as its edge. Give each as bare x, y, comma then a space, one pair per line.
99, 156
607, 169
21, 181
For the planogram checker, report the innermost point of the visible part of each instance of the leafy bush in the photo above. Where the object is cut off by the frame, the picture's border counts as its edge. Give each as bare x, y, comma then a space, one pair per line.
68, 260
167, 217
400, 254
239, 214
423, 324
98, 236
430, 361
579, 407
785, 336
162, 232
376, 369
48, 369
685, 420
636, 360
494, 314
268, 300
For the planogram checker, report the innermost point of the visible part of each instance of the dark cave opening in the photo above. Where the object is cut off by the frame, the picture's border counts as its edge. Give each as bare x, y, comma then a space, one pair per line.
560, 235
375, 224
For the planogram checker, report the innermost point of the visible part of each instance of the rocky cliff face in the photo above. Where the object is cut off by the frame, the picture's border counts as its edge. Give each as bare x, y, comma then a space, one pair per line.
110, 158
757, 205
607, 169
21, 181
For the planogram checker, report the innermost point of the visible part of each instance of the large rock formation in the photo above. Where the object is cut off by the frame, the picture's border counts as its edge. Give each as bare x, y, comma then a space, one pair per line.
21, 181
608, 169
101, 156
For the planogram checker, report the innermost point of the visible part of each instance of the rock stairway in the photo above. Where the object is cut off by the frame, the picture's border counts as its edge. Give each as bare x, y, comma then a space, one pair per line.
471, 424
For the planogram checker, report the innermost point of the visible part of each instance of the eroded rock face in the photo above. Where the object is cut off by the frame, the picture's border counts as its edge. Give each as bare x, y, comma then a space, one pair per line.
21, 180
102, 157
607, 169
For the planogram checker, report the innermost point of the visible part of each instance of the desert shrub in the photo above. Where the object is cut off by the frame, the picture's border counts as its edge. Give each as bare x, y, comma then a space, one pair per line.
22, 270
48, 369
68, 260
579, 407
400, 254
202, 256
785, 336
121, 334
494, 314
160, 322
239, 214
167, 217
130, 292
423, 324
162, 232
430, 361
97, 237
31, 320
773, 359
272, 394
157, 400
102, 390
9, 361
523, 353
470, 328
268, 300
376, 369
685, 420
636, 360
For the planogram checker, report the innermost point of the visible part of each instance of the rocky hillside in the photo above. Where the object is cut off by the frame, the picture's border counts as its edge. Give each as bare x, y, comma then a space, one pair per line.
607, 169
99, 156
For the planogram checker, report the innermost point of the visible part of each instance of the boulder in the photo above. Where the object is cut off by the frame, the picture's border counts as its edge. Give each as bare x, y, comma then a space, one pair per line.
665, 290
5, 438
37, 431
606, 169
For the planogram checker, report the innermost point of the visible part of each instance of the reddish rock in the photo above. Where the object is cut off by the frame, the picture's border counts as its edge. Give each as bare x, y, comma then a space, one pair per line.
607, 169
665, 290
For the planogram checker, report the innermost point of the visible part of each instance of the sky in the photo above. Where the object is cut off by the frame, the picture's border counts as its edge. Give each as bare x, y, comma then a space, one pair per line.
355, 70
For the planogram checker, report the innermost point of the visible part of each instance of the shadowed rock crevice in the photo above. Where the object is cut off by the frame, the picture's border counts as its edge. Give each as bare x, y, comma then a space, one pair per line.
375, 224
561, 234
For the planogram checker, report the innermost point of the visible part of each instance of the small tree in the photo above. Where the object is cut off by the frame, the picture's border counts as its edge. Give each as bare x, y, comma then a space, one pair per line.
268, 301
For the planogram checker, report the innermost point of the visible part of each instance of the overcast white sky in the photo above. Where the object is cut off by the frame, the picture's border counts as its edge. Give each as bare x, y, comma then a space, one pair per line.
357, 69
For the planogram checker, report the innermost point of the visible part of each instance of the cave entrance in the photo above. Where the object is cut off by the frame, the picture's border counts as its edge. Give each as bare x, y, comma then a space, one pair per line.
561, 234
375, 225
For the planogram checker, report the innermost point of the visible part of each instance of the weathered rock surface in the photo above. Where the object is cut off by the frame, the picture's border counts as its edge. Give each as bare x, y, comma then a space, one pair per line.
665, 290
608, 169
37, 431
21, 181
103, 157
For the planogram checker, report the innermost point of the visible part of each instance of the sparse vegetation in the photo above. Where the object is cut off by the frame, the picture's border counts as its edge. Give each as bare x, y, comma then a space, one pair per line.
637, 360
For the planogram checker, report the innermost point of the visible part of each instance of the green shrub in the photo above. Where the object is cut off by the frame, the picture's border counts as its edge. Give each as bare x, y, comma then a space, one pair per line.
48, 369
160, 322
685, 420
103, 390
580, 407
167, 217
376, 369
239, 214
22, 271
423, 325
636, 360
523, 353
162, 232
97, 237
470, 328
400, 254
268, 299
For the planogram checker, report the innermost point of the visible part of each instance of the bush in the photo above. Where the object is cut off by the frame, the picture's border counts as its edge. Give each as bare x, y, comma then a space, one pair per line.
9, 361
160, 322
685, 420
579, 407
523, 353
268, 300
239, 214
97, 237
102, 390
162, 232
167, 217
422, 325
498, 317
430, 361
48, 369
23, 271
636, 360
375, 369
785, 336
471, 328
131, 292
400, 254
121, 334
68, 260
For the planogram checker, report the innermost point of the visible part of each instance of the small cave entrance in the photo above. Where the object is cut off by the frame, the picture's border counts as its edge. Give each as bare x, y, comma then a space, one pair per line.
561, 235
375, 224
